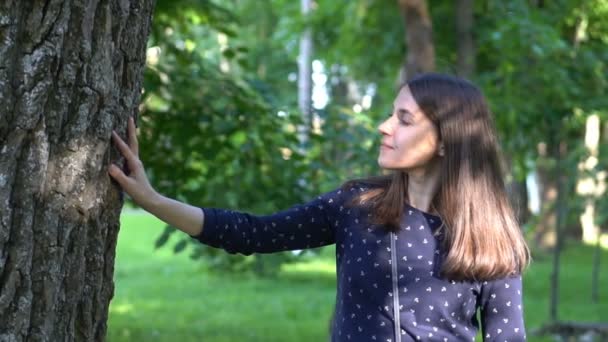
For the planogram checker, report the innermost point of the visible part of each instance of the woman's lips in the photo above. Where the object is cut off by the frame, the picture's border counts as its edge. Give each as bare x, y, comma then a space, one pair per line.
386, 146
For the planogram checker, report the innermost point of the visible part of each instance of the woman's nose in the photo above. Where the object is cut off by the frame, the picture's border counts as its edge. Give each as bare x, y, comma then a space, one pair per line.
385, 127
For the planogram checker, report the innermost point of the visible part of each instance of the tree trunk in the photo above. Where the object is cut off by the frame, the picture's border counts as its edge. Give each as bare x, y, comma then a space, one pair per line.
544, 235
561, 208
544, 232
518, 195
70, 72
304, 76
464, 30
595, 271
590, 185
420, 56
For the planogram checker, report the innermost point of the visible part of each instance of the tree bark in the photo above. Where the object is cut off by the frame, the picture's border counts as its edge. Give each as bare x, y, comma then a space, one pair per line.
70, 72
420, 56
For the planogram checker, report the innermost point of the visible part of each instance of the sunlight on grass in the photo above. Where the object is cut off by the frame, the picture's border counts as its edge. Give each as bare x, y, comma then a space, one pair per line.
121, 308
324, 267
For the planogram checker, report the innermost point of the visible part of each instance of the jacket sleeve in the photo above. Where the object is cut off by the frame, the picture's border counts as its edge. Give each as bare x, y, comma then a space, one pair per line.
502, 314
299, 227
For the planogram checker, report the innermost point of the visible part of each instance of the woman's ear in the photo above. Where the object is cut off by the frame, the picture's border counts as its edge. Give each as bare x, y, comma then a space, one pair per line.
441, 150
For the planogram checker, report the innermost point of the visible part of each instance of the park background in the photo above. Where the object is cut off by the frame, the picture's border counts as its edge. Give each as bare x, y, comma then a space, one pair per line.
257, 105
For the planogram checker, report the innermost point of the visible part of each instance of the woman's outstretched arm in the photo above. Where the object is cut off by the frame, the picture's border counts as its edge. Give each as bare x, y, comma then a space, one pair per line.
182, 216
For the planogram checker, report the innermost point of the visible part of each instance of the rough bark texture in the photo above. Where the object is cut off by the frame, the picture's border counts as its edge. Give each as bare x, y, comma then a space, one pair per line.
419, 39
70, 72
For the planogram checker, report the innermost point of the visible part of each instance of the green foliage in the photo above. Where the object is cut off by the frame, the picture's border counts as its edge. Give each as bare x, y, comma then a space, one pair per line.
210, 136
535, 74
540, 68
210, 130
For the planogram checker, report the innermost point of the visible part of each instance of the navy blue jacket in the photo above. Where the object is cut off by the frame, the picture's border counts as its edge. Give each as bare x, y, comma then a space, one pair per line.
388, 284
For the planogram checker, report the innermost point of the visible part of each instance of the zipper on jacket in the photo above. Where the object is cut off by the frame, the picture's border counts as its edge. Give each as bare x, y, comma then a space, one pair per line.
395, 279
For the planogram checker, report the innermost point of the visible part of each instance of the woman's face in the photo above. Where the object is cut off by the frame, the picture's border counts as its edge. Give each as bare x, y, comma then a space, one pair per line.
409, 139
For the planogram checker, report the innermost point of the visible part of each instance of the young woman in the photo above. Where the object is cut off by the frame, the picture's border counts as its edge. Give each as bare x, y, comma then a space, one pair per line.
418, 252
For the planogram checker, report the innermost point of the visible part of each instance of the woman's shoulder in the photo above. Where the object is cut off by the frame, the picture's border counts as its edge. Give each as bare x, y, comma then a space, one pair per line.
346, 191
364, 184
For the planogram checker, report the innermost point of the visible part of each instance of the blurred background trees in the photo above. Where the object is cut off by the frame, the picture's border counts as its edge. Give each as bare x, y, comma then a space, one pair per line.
221, 109
220, 117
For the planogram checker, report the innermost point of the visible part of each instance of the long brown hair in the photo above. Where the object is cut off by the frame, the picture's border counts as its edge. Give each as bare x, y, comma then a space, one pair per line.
483, 240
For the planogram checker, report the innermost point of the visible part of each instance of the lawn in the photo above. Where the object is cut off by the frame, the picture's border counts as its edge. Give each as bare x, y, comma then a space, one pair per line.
161, 296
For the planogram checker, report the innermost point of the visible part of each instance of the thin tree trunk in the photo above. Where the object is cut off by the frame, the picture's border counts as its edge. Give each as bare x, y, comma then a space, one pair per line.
518, 195
304, 76
589, 184
420, 56
544, 233
592, 187
561, 208
70, 72
466, 46
595, 273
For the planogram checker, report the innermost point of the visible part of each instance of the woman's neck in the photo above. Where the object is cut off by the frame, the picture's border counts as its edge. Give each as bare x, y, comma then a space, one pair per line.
422, 185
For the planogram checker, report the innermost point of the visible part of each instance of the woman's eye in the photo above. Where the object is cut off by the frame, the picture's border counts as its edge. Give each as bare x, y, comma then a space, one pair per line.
401, 119
404, 122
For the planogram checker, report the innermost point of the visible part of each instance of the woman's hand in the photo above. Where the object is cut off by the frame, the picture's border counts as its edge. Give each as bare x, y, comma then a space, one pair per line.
182, 216
136, 184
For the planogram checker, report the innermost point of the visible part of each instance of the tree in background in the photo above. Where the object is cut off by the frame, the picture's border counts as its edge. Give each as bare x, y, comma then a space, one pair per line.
305, 76
70, 73
420, 57
465, 21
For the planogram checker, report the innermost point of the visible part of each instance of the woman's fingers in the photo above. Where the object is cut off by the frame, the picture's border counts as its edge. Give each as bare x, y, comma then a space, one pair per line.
132, 133
123, 147
135, 183
120, 177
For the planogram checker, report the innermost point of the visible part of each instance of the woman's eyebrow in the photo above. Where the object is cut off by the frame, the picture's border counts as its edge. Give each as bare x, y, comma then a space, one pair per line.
404, 112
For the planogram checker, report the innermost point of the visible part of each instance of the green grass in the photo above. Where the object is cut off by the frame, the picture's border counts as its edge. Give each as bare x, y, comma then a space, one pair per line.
161, 296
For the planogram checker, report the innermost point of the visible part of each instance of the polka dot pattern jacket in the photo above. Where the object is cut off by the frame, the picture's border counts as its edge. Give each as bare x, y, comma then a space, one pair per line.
388, 284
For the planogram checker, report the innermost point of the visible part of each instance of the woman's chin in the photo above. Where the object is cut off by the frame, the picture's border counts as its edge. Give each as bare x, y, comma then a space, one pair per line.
387, 166
392, 166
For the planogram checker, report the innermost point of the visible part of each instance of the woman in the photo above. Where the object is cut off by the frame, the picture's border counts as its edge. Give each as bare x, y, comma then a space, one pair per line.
418, 252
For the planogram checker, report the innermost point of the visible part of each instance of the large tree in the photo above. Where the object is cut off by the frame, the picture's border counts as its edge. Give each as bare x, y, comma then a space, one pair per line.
70, 73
